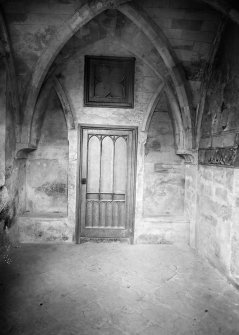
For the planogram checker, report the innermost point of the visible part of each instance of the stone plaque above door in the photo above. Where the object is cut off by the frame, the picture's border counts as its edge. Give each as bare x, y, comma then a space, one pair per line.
109, 81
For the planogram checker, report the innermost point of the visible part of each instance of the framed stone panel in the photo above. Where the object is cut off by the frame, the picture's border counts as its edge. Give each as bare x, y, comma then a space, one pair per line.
109, 81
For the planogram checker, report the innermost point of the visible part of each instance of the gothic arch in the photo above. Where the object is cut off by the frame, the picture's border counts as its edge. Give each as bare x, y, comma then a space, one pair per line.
151, 107
39, 114
179, 131
65, 103
83, 15
160, 42
52, 85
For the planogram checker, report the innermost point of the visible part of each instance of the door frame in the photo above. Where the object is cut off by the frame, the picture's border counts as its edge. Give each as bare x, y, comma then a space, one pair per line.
80, 130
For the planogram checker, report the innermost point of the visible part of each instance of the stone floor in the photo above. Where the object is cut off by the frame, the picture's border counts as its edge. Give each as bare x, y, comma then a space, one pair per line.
113, 289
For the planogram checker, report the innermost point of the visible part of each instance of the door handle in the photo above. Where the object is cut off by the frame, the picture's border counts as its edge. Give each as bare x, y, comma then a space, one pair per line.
83, 181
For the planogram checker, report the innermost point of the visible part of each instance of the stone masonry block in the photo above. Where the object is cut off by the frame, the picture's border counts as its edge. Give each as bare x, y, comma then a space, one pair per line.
183, 14
223, 140
202, 48
39, 19
185, 55
221, 194
184, 4
15, 7
186, 24
198, 36
62, 7
209, 25
155, 3
181, 44
205, 142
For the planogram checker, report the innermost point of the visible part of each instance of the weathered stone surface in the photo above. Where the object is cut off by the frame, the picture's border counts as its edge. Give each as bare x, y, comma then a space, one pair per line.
164, 179
33, 24
220, 119
44, 228
73, 82
6, 215
224, 140
186, 24
194, 69
164, 229
47, 167
191, 185
217, 218
52, 150
219, 156
44, 181
2, 127
235, 228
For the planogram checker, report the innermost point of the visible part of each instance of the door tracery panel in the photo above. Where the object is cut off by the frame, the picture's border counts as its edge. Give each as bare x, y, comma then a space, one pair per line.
107, 174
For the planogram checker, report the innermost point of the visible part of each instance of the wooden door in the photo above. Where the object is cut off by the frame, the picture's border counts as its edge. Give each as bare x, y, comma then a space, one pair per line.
107, 183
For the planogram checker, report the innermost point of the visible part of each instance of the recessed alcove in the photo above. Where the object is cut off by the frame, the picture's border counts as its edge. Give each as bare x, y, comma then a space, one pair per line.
164, 182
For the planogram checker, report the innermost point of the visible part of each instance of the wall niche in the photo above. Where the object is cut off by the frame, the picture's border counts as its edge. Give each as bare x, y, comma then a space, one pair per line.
164, 175
47, 167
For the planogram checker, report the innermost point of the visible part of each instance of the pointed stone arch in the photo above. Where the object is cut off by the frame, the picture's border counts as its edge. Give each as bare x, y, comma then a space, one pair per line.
65, 103
179, 131
52, 85
82, 16
151, 107
39, 114
160, 42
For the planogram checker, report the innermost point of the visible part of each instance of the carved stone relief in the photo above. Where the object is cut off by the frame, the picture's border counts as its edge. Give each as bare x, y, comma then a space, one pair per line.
219, 156
109, 81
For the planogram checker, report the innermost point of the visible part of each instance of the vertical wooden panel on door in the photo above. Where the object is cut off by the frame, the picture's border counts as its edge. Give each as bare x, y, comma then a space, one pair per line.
107, 182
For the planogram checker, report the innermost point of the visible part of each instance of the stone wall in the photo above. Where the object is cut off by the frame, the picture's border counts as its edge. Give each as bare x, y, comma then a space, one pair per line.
191, 205
217, 196
47, 167
215, 212
69, 69
70, 73
43, 206
217, 232
164, 180
9, 167
164, 184
189, 26
220, 122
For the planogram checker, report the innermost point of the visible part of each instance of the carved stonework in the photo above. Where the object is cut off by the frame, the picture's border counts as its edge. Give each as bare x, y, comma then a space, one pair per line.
109, 81
23, 150
107, 3
220, 156
190, 157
